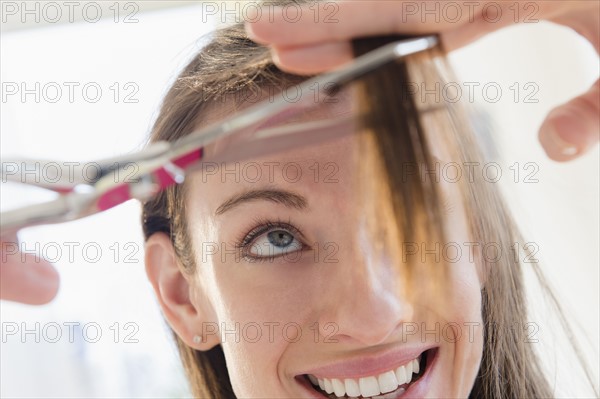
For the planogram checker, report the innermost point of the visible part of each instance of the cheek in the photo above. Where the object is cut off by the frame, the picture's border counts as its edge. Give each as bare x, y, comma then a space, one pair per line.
463, 306
258, 308
257, 327
465, 317
251, 369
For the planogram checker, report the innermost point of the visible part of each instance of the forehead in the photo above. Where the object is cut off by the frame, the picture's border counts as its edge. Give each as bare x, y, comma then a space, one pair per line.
317, 172
324, 174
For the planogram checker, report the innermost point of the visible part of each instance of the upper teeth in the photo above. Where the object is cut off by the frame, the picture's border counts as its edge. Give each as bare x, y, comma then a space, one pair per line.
371, 385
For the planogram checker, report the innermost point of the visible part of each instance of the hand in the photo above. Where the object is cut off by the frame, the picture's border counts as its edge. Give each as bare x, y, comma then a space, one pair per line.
320, 40
25, 278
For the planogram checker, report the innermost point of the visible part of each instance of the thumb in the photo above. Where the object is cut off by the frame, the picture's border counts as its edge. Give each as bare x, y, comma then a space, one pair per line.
572, 129
26, 278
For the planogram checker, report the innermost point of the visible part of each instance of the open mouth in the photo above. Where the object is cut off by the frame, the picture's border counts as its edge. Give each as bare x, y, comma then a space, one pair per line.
388, 385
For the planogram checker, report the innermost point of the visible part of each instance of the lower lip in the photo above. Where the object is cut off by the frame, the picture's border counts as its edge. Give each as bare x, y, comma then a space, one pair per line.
415, 390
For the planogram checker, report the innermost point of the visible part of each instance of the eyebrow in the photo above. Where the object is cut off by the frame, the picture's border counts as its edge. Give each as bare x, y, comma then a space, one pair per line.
287, 198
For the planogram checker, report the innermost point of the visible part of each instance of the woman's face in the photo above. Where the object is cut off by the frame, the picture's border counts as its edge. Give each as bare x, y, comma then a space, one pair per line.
299, 291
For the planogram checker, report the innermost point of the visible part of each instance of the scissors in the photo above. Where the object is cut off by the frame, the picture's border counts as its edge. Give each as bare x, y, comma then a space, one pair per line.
163, 164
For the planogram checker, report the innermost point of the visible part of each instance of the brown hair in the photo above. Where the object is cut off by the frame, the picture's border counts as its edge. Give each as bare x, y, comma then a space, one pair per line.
231, 64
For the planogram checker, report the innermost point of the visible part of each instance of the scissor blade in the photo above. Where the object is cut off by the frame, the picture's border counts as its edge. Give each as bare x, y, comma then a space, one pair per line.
285, 138
57, 176
65, 208
319, 88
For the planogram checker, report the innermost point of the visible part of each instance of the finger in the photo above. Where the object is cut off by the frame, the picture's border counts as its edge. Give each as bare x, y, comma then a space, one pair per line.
321, 57
26, 278
574, 128
315, 59
294, 26
493, 16
582, 16
340, 21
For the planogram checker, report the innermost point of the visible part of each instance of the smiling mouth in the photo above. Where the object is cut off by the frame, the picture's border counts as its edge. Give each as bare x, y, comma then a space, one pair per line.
387, 385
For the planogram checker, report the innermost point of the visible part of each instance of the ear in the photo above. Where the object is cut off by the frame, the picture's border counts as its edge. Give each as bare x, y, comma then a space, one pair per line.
183, 303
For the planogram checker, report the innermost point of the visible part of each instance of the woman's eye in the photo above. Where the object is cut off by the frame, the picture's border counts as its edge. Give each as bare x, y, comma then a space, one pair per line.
273, 244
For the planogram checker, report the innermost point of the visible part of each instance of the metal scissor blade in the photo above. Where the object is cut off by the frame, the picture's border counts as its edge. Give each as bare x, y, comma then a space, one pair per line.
325, 85
63, 177
64, 208
57, 176
285, 138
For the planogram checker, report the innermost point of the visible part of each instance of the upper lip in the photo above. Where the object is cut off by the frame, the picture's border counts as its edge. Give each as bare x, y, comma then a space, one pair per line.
370, 364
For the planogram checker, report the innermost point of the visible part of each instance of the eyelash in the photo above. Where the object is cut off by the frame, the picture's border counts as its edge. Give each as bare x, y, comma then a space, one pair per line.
263, 226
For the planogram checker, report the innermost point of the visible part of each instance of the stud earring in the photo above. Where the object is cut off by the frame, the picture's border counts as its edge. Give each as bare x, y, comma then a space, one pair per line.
197, 339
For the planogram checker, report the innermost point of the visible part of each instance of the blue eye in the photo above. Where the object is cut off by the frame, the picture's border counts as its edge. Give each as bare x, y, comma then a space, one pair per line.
271, 240
273, 244
280, 238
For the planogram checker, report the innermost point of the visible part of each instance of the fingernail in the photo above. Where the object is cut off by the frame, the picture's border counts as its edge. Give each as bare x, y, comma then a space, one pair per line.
275, 57
250, 31
559, 144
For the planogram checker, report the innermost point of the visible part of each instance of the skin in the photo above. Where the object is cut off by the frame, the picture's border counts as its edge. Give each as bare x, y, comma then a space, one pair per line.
357, 291
25, 278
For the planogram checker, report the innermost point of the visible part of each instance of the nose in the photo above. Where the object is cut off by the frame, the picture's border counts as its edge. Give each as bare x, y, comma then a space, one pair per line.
362, 299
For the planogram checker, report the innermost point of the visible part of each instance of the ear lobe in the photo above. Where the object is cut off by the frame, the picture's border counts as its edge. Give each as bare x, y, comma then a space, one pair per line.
185, 313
